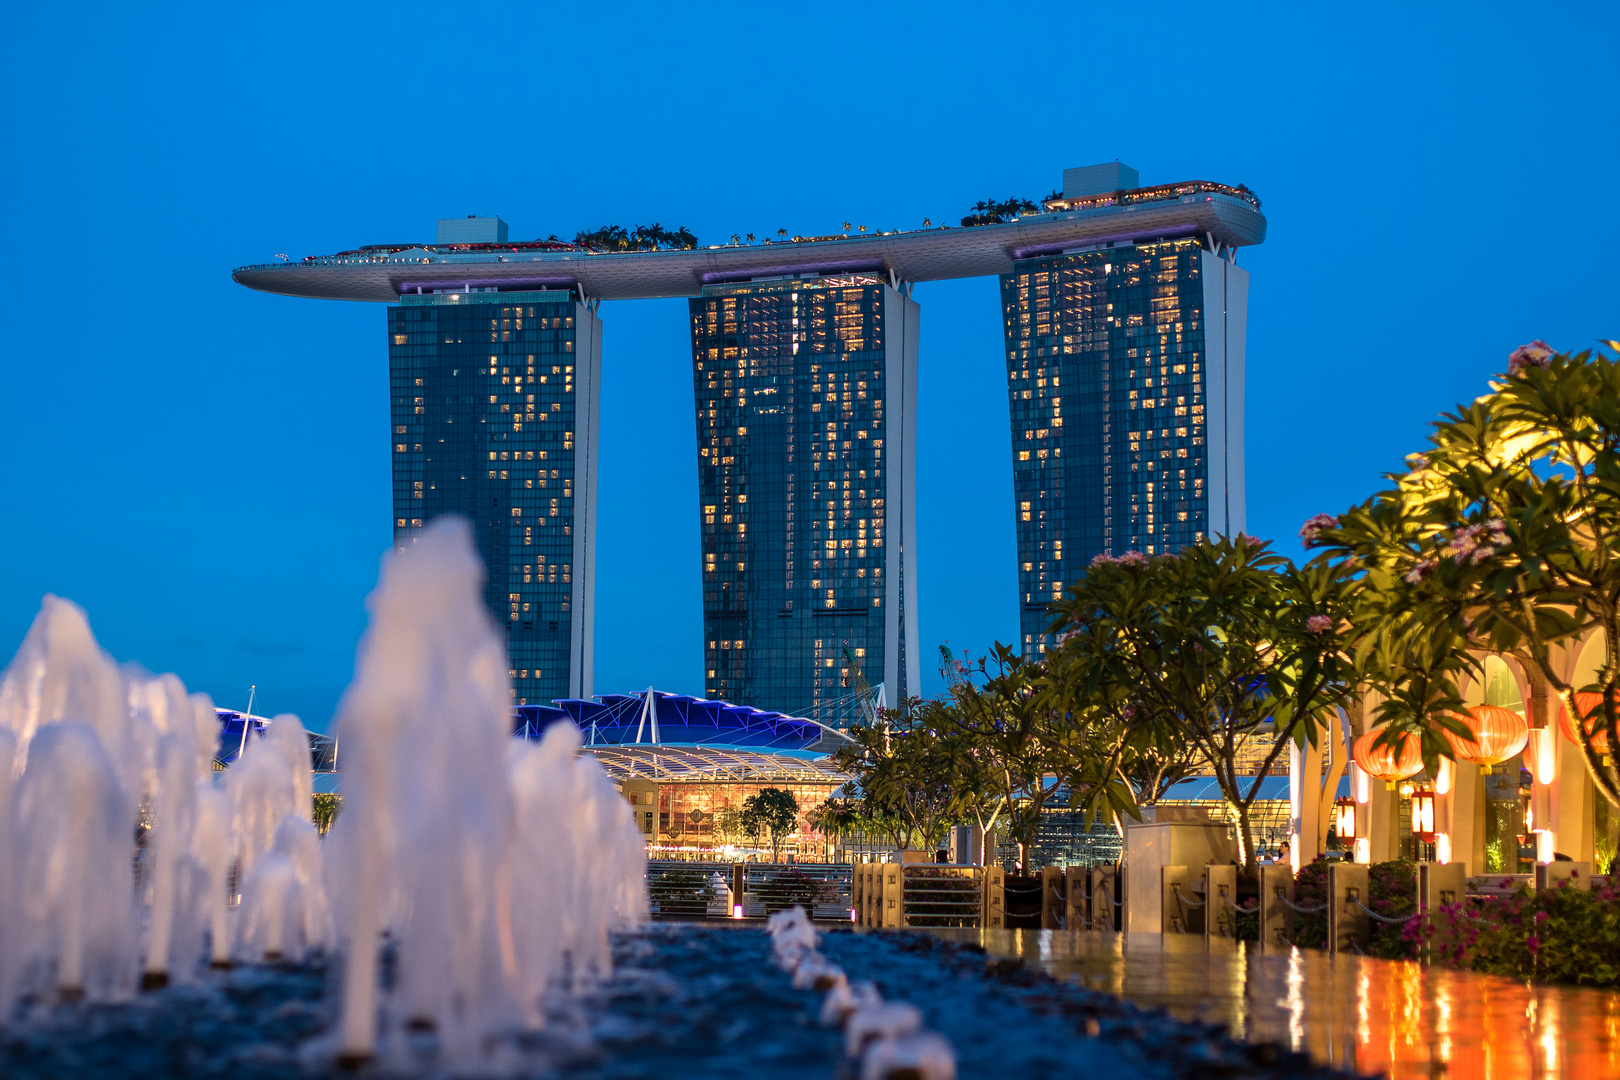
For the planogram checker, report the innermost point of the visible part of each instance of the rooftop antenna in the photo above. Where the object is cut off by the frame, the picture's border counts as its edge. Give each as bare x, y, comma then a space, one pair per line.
241, 747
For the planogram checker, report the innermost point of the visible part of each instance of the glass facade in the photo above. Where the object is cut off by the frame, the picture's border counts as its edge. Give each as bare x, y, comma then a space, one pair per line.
493, 418
805, 395
1121, 363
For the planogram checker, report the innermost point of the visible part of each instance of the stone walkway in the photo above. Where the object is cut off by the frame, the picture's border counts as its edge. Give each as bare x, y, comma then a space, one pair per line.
1373, 1016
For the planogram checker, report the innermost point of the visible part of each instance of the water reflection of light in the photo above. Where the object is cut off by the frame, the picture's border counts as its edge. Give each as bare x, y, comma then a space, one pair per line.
1294, 1001
1364, 1008
1442, 1021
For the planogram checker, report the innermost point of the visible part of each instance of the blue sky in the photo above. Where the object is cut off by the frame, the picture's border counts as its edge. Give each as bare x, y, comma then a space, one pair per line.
205, 469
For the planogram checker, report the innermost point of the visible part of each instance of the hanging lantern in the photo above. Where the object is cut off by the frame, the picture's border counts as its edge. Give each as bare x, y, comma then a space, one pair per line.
1591, 707
1498, 734
1344, 818
1384, 762
1423, 815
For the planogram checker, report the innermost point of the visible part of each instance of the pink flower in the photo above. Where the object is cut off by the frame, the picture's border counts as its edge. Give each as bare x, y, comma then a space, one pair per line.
1423, 569
1133, 558
1104, 559
1319, 624
1534, 942
1541, 916
1310, 532
1536, 354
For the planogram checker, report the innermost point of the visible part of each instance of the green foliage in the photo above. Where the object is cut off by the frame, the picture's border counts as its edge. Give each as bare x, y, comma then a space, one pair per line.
993, 211
652, 237
1311, 891
1502, 537
327, 806
907, 772
1392, 892
773, 812
1562, 935
1198, 652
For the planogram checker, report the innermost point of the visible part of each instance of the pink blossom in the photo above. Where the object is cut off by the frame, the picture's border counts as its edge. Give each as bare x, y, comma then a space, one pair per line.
1541, 916
1536, 354
1319, 624
1423, 569
1310, 532
1104, 559
1534, 942
1133, 558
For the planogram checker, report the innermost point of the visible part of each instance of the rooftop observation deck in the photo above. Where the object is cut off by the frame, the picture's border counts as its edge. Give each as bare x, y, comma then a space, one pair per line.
1222, 217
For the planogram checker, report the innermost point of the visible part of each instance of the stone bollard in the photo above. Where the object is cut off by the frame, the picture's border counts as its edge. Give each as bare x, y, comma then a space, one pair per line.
894, 895
1076, 902
1053, 900
1101, 896
1220, 894
1552, 875
1348, 929
1173, 912
993, 899
1439, 885
1276, 917
739, 883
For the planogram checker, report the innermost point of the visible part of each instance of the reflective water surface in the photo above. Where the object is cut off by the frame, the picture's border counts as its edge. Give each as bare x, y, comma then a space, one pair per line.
1393, 1017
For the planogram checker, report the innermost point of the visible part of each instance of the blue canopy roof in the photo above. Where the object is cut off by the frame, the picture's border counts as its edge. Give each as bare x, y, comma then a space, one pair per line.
672, 720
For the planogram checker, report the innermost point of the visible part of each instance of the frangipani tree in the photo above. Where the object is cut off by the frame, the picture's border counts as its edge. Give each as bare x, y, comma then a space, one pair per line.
1209, 645
1503, 536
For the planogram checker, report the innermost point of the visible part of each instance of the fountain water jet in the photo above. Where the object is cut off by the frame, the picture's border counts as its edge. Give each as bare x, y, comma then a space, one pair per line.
448, 833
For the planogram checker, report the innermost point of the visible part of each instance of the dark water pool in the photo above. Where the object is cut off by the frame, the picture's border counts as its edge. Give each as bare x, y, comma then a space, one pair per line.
686, 1000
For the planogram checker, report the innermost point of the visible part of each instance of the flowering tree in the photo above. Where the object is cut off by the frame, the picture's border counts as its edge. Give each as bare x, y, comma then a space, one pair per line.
1504, 536
1207, 646
905, 766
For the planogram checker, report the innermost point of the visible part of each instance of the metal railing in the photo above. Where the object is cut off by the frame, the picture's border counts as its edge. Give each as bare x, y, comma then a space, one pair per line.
822, 888
687, 889
938, 894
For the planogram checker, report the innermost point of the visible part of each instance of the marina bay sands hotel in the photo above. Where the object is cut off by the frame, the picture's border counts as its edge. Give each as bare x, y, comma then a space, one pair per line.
1124, 316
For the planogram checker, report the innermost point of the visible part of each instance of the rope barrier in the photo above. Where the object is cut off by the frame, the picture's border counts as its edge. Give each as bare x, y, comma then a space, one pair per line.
1393, 919
1296, 908
1186, 899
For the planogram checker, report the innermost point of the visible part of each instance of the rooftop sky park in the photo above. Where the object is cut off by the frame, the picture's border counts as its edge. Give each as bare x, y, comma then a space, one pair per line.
1124, 315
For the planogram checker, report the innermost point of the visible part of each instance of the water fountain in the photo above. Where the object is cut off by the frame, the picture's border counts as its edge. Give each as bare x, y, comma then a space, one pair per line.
490, 872
478, 907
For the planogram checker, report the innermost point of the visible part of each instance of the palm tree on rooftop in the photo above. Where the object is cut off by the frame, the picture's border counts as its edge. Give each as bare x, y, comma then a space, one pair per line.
846, 226
750, 238
735, 239
927, 223
781, 234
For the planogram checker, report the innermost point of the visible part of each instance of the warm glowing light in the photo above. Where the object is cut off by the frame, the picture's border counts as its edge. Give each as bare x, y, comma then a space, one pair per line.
1546, 846
1498, 734
1385, 762
1592, 721
1358, 784
1406, 791
1543, 755
1363, 850
1442, 848
736, 911
1344, 818
1423, 815
1448, 776
852, 915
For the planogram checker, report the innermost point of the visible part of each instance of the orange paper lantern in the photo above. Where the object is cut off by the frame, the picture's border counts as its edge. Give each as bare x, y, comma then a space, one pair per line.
1386, 763
1591, 707
1499, 733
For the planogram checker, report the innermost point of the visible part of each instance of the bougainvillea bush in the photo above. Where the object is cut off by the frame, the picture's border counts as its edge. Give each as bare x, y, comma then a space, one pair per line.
1565, 934
1392, 892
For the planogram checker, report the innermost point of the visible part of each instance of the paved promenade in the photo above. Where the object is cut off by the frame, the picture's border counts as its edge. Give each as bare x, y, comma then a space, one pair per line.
1371, 1016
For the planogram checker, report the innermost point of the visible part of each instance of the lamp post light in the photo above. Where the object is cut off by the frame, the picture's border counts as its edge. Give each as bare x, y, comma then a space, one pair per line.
1344, 818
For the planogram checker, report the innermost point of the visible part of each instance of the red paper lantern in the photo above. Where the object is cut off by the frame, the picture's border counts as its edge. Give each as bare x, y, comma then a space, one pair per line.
1591, 707
1498, 734
1385, 762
